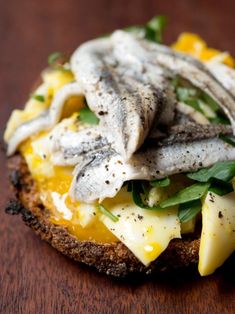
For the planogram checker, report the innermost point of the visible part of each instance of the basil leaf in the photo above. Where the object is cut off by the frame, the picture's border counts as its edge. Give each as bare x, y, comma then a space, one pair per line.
40, 98
162, 183
189, 210
107, 213
87, 116
220, 187
223, 171
191, 193
227, 139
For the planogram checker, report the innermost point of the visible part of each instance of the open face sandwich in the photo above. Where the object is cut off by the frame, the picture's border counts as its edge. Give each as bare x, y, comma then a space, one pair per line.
123, 158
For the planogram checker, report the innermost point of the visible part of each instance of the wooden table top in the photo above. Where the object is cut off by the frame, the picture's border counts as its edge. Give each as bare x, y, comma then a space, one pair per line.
34, 278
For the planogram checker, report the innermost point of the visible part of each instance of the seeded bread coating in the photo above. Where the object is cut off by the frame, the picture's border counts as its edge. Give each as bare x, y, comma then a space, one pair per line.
112, 258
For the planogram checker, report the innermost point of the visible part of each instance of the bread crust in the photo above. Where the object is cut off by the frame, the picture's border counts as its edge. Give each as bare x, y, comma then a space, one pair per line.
112, 258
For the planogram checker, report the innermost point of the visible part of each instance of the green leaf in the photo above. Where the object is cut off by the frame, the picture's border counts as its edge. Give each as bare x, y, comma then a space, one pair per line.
220, 119
223, 171
40, 98
152, 31
56, 57
191, 193
155, 28
189, 210
227, 139
137, 192
210, 102
220, 187
185, 94
162, 183
135, 29
199, 100
87, 116
107, 213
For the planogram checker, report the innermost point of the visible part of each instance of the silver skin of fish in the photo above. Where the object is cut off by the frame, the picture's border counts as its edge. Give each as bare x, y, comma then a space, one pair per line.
102, 175
71, 147
46, 120
224, 74
184, 65
125, 98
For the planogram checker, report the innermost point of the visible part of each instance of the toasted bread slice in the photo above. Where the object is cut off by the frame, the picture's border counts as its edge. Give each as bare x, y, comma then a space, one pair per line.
111, 258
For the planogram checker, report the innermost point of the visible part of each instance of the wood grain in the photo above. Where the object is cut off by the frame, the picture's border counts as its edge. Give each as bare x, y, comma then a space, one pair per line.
34, 278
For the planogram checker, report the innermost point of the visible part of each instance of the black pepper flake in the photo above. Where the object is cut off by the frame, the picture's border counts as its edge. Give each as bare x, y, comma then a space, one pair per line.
102, 113
211, 198
220, 215
140, 217
107, 182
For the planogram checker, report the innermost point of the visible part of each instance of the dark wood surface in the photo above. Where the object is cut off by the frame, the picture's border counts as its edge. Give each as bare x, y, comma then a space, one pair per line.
34, 278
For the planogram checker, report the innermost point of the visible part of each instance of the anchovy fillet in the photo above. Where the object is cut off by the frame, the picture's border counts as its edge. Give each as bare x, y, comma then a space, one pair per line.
224, 74
126, 99
72, 147
102, 174
46, 120
178, 63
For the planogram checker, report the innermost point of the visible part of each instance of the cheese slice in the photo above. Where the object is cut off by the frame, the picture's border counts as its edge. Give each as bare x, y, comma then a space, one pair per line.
146, 233
218, 232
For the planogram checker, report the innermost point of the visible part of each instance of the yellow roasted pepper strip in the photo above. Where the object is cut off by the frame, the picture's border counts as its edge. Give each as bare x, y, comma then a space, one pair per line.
195, 46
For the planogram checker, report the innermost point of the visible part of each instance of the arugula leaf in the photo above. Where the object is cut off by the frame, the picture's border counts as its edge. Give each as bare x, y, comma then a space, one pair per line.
87, 116
137, 189
221, 119
199, 100
155, 27
227, 139
107, 213
210, 102
185, 94
223, 171
40, 98
189, 210
57, 58
191, 193
152, 31
220, 187
162, 182
135, 30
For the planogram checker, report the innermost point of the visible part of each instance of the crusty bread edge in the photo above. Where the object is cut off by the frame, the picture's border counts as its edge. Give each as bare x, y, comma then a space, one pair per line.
112, 258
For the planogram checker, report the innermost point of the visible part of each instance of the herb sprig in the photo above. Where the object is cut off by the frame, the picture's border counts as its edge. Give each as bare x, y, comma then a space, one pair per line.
57, 60
216, 179
153, 30
39, 98
199, 100
87, 116
107, 213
